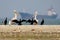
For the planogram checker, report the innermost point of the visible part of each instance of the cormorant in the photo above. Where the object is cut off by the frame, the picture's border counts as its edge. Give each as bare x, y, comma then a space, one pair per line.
5, 21
42, 22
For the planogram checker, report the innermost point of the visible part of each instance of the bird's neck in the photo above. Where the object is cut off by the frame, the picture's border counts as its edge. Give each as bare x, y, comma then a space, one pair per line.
35, 17
15, 16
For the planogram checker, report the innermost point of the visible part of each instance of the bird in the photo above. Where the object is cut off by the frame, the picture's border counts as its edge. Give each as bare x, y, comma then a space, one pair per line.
5, 21
14, 19
42, 22
31, 21
20, 21
34, 19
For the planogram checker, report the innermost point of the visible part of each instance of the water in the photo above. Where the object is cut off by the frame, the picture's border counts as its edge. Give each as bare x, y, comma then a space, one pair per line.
51, 21
46, 22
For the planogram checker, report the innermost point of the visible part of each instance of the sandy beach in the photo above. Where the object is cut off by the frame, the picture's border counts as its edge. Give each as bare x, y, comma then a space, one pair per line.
28, 28
30, 32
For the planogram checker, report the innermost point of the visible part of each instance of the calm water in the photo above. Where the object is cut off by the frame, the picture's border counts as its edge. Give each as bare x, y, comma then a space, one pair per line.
46, 22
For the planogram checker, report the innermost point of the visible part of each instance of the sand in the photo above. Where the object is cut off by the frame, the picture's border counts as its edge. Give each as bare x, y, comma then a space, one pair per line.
29, 28
30, 32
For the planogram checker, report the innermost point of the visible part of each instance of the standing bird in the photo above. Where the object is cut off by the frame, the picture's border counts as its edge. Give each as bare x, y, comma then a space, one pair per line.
20, 21
14, 19
35, 18
5, 21
42, 22
30, 21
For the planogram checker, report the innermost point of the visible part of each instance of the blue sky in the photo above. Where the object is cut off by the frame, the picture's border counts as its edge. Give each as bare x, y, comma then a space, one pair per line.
42, 6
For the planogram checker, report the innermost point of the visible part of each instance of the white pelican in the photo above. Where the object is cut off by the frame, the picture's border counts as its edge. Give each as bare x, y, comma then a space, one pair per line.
14, 18
35, 15
35, 18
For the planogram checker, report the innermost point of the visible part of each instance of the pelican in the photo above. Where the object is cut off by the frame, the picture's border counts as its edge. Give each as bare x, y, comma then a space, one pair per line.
35, 17
14, 18
34, 20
